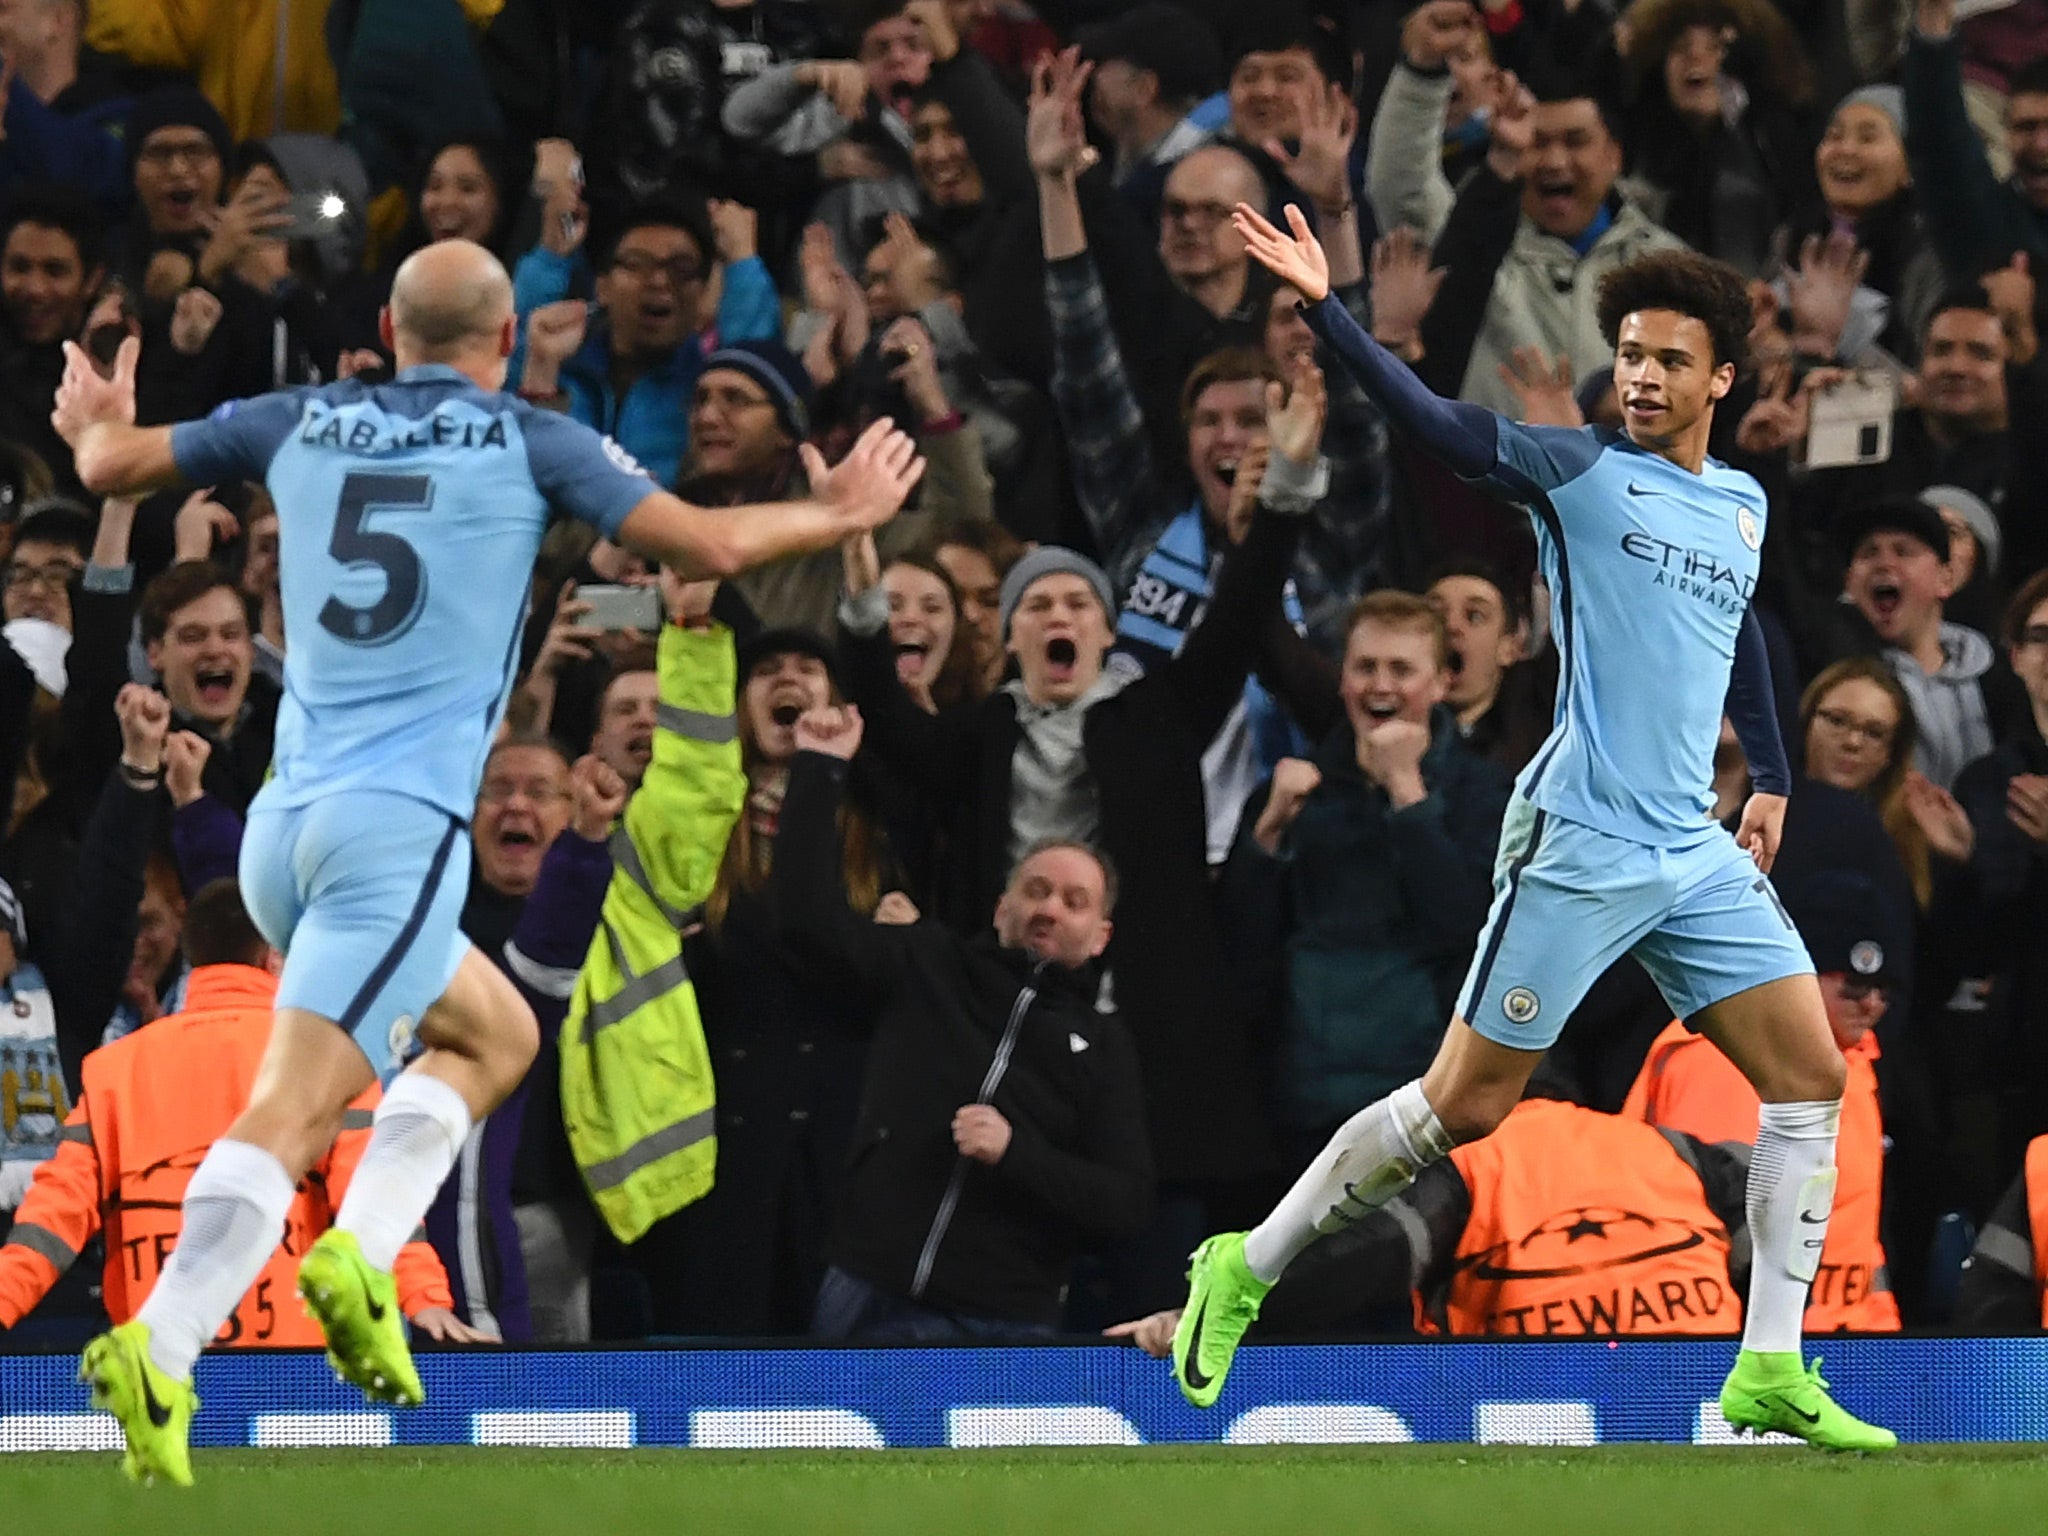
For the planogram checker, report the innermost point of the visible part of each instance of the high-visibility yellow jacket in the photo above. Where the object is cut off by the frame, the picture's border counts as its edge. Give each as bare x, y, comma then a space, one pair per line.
637, 1092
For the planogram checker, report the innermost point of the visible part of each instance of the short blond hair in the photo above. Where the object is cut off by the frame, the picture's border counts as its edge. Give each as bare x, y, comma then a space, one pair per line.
1401, 610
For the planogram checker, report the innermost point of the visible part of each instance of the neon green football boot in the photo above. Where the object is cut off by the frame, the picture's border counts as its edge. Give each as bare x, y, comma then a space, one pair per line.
357, 1308
1223, 1301
1771, 1391
155, 1412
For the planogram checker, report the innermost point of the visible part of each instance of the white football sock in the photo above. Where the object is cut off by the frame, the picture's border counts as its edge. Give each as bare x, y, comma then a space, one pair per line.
1790, 1197
234, 1215
1372, 1158
420, 1127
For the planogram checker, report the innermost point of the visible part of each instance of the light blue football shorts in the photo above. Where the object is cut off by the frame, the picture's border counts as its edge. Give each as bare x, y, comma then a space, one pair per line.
1569, 901
362, 891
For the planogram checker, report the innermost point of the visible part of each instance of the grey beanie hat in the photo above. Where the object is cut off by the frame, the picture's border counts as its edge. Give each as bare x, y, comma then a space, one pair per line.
1053, 560
1971, 509
1888, 99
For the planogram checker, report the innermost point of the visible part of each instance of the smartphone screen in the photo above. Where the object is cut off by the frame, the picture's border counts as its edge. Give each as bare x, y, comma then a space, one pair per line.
616, 608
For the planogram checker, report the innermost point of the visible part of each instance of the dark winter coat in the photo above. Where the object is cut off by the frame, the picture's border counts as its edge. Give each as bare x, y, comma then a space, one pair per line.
1143, 749
964, 1021
1368, 914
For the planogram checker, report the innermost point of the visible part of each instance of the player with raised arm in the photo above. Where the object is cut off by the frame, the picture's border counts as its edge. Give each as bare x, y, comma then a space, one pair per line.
1609, 847
409, 517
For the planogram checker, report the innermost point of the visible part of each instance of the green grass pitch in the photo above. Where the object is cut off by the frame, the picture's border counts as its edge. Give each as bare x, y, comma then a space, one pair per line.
1404, 1491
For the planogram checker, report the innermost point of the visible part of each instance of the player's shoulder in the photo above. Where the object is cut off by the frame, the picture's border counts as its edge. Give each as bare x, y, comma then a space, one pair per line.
430, 410
1737, 482
1587, 442
1550, 458
275, 406
1621, 454
553, 439
239, 439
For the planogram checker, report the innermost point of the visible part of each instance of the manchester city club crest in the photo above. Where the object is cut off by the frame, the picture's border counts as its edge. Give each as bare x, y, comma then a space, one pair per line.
1520, 1005
1746, 525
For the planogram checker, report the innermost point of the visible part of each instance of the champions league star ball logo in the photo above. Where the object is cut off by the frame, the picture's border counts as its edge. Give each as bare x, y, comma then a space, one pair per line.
1602, 1270
1746, 525
1615, 1239
1520, 1005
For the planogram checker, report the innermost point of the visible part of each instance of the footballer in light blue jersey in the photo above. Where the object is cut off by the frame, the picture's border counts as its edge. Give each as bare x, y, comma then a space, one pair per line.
1650, 569
409, 515
1609, 846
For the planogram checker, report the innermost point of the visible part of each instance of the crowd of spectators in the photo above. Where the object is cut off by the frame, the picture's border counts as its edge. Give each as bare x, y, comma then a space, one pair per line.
936, 940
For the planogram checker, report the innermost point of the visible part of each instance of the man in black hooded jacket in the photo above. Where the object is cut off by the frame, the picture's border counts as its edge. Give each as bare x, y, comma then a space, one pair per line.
1001, 1119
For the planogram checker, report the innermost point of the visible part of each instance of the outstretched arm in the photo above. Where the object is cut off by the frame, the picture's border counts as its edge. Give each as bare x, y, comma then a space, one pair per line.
862, 492
1464, 436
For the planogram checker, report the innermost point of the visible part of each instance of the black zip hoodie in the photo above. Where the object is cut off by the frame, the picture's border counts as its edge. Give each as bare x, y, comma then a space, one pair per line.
962, 1021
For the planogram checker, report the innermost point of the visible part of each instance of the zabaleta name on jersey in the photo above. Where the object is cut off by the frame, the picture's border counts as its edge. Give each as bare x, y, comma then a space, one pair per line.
325, 428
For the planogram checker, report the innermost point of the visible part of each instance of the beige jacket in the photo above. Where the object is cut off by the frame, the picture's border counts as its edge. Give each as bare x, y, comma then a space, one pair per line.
1546, 295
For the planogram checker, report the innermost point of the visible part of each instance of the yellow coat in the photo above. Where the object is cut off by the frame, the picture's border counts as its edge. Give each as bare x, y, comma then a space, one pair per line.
264, 63
638, 1096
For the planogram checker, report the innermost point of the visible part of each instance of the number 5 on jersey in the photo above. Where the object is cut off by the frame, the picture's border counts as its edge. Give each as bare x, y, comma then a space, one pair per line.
357, 547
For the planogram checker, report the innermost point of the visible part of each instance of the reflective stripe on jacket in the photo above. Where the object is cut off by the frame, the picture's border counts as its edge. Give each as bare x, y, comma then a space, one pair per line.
153, 1102
637, 1090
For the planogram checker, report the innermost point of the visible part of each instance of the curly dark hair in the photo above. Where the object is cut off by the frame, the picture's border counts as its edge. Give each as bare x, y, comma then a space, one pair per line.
1709, 291
1765, 49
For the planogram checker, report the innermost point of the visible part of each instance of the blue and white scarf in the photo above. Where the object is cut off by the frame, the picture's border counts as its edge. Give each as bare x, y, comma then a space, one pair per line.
1166, 601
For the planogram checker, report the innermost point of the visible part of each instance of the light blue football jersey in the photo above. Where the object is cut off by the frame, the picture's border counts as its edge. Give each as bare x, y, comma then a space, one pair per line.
1651, 569
409, 515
